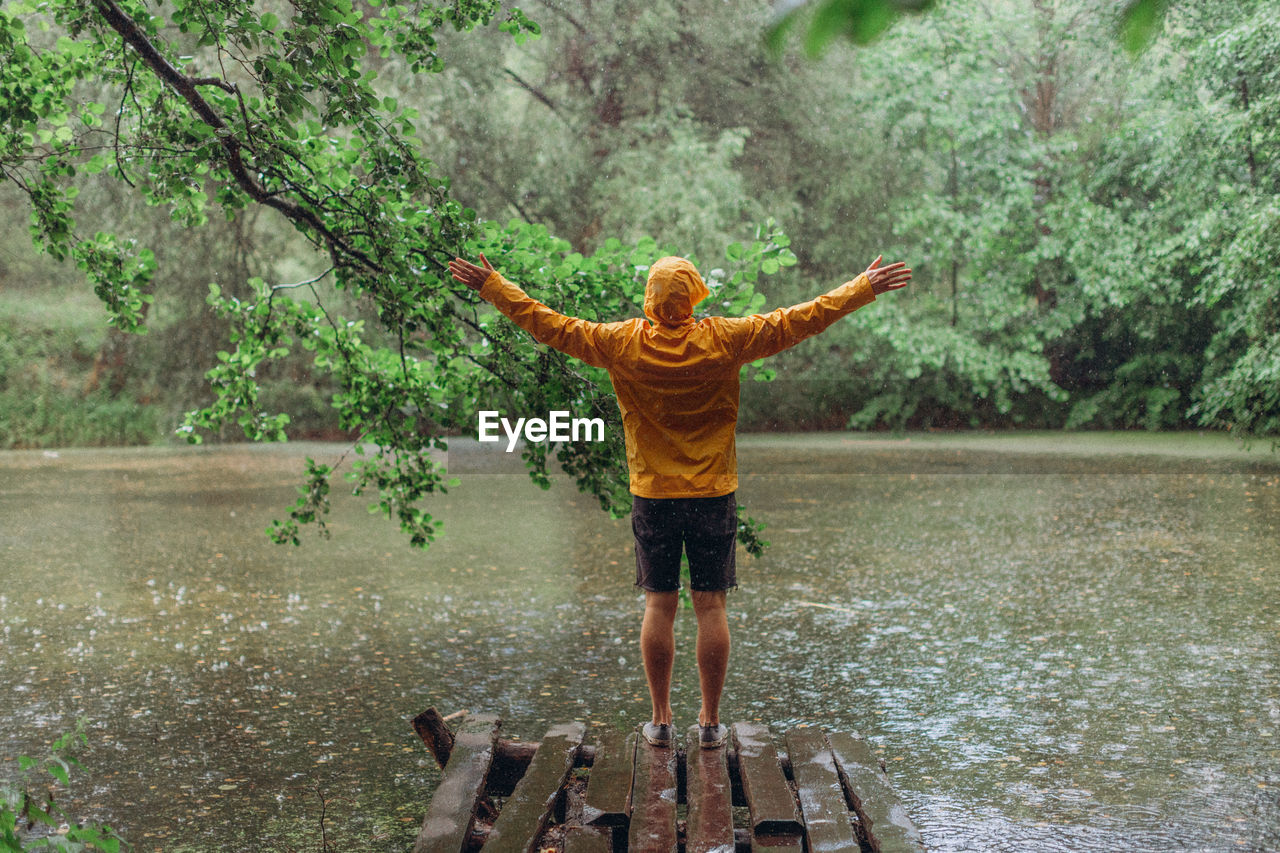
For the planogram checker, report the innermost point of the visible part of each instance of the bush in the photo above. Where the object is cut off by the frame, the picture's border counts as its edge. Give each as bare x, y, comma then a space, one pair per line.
29, 821
45, 364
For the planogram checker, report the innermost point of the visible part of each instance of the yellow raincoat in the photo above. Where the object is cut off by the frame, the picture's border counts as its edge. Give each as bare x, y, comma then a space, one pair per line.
677, 378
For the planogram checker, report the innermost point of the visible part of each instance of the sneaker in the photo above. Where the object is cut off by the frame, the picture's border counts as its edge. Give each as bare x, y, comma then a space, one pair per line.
658, 734
712, 737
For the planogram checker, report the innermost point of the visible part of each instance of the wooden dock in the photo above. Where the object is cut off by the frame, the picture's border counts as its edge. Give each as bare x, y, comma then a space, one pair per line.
808, 792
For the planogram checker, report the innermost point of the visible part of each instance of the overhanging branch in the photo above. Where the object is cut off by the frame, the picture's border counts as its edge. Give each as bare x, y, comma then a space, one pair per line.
185, 87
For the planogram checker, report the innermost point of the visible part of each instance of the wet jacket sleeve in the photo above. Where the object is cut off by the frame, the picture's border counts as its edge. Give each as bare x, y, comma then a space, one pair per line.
762, 335
581, 339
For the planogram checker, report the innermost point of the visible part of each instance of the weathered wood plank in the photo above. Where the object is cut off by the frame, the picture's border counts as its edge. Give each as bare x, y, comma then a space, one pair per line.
710, 796
587, 839
775, 822
743, 840
525, 814
653, 800
826, 816
884, 820
452, 809
608, 798
510, 758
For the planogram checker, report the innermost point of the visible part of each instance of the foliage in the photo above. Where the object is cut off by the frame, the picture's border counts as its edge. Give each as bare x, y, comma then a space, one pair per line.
1180, 220
1093, 234
29, 821
235, 107
640, 133
861, 21
46, 363
1093, 237
969, 145
1139, 22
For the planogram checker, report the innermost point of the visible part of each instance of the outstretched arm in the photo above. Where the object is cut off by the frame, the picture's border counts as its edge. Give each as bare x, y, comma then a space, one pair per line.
763, 335
579, 338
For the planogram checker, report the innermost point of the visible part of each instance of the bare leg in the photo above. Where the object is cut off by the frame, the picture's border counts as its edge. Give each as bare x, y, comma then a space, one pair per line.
658, 649
713, 651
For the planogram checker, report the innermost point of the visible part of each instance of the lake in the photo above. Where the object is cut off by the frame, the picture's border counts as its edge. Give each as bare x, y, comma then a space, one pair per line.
1054, 641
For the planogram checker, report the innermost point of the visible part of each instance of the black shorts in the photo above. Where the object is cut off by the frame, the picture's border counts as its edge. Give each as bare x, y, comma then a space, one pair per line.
705, 528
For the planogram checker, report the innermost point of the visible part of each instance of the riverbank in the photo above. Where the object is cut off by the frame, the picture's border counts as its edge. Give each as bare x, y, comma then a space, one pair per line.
1189, 444
1193, 444
64, 383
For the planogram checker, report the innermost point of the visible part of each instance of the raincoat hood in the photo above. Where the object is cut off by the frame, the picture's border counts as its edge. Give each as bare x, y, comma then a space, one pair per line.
673, 289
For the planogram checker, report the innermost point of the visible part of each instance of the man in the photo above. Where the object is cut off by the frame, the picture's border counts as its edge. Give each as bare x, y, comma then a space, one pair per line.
676, 379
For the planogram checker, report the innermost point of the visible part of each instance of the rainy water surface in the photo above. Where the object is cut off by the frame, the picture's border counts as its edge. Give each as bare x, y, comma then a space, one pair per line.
1053, 642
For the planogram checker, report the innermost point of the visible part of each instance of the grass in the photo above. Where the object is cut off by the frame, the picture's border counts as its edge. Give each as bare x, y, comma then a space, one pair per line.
49, 337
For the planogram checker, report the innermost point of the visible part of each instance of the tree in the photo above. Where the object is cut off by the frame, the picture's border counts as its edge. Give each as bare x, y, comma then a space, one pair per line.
1093, 234
1181, 213
967, 117
226, 107
619, 121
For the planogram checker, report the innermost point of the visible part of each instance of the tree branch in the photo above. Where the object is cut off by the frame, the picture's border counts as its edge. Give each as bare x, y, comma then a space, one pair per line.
306, 283
185, 87
537, 93
128, 88
511, 197
577, 25
214, 81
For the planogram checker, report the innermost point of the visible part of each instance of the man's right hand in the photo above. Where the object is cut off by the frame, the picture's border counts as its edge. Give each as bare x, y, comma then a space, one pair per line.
469, 274
888, 278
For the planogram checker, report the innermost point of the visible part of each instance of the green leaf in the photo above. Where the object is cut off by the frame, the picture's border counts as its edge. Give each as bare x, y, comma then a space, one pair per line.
874, 18
830, 21
858, 20
58, 769
775, 35
1140, 22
